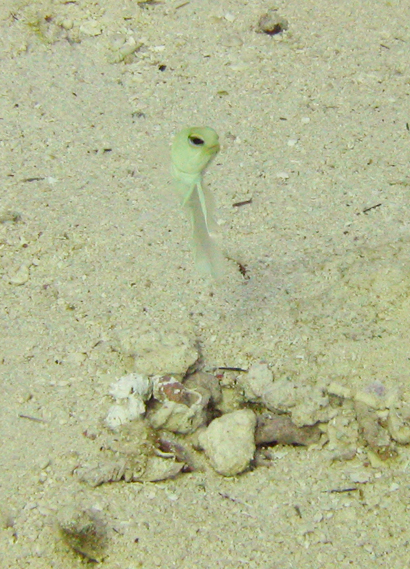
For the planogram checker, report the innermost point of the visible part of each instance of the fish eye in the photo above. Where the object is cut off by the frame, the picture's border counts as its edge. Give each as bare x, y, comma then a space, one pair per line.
196, 140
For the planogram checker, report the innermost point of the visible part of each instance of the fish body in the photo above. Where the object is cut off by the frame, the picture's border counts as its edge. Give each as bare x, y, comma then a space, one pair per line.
192, 150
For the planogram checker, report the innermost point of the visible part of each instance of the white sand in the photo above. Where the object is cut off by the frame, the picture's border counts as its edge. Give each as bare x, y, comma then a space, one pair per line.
313, 129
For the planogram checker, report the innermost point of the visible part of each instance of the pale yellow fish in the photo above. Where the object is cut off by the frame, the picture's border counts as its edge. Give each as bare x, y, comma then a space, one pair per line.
192, 150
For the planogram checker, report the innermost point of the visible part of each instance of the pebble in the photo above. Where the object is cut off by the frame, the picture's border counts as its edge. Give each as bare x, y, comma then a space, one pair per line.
43, 463
360, 477
271, 23
158, 469
21, 275
168, 388
229, 442
398, 424
42, 477
91, 28
339, 391
343, 433
229, 17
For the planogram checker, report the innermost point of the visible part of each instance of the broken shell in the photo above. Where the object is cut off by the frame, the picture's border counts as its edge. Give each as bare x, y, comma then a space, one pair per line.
182, 410
206, 384
177, 417
167, 388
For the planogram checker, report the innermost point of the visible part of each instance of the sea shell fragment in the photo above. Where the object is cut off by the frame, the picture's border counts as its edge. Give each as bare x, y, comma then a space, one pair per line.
182, 410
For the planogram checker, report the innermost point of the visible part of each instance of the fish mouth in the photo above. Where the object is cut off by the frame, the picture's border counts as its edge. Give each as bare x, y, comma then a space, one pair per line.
215, 148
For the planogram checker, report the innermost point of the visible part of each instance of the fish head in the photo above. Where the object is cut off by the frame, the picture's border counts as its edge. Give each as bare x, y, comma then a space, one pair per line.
193, 148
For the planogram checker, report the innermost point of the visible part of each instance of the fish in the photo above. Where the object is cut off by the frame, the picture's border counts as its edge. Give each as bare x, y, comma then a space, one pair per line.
192, 150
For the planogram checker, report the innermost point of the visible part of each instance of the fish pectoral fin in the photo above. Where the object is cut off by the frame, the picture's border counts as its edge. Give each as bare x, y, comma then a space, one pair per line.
188, 195
202, 201
208, 256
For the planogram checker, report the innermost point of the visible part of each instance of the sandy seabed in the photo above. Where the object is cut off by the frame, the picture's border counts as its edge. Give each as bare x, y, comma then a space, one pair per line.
314, 126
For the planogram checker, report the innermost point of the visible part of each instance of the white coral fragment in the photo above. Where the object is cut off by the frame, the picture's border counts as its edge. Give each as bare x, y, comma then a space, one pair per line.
130, 385
130, 392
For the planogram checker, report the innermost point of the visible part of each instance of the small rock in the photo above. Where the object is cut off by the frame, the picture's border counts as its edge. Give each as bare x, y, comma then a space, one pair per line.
158, 469
83, 531
372, 431
179, 449
125, 52
360, 477
282, 394
229, 442
313, 409
339, 391
271, 23
343, 433
67, 24
256, 382
159, 352
280, 429
371, 399
231, 400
